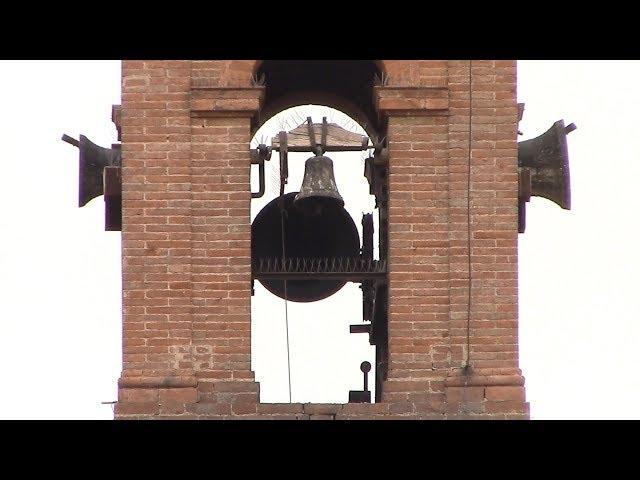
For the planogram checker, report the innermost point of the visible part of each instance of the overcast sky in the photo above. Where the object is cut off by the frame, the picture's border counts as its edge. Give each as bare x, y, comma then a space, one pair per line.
60, 322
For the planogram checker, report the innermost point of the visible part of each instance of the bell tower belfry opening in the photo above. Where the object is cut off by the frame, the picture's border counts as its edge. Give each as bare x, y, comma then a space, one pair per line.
346, 85
302, 330
323, 249
439, 297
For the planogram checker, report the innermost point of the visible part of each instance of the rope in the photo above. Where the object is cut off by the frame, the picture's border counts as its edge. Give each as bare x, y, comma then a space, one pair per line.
286, 310
468, 361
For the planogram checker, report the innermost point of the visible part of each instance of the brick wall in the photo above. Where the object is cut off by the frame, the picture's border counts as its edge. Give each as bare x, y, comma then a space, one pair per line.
186, 243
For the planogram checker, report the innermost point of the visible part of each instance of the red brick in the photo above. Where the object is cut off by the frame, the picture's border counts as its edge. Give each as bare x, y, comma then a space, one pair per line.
401, 408
244, 407
510, 406
179, 395
505, 393
172, 408
280, 408
364, 408
131, 408
321, 417
137, 395
322, 408
209, 408
465, 394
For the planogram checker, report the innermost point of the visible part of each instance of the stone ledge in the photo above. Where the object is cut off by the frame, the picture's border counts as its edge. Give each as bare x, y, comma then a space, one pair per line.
226, 101
485, 377
210, 411
157, 382
411, 100
488, 393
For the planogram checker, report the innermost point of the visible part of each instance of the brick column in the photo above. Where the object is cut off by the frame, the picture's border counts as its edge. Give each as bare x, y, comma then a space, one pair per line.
156, 237
186, 244
494, 385
221, 256
428, 133
419, 349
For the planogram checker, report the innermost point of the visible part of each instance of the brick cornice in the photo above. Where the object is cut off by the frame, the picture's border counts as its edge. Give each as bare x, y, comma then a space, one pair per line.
158, 382
400, 100
214, 101
486, 377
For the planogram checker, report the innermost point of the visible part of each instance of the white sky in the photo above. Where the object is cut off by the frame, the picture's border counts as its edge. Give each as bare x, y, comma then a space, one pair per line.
60, 322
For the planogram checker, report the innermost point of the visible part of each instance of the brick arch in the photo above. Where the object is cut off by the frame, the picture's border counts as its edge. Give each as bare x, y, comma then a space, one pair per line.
244, 69
322, 99
398, 72
252, 66
296, 82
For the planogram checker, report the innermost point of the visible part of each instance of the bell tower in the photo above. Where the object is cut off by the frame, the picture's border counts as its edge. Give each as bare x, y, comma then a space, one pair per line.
440, 302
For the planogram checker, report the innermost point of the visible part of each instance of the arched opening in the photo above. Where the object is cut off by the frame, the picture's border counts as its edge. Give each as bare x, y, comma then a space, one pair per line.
346, 85
322, 357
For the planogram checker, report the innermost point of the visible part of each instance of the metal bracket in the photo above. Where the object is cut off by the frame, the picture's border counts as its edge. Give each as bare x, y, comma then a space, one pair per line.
284, 161
258, 156
360, 328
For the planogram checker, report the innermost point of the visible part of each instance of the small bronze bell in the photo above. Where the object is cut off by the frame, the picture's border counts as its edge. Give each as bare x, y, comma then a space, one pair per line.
547, 159
319, 188
92, 161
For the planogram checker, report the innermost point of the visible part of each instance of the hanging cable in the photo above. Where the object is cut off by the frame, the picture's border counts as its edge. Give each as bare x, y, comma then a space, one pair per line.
468, 361
286, 310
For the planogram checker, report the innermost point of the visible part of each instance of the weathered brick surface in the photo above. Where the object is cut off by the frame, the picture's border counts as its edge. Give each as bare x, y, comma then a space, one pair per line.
186, 243
506, 393
494, 339
156, 235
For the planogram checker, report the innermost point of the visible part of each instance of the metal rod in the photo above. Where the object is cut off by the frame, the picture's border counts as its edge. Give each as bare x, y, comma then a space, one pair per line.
323, 138
70, 140
312, 136
312, 277
360, 328
365, 368
284, 161
329, 148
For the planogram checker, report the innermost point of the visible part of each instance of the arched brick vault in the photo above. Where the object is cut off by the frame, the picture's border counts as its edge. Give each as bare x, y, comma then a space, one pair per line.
399, 72
344, 85
239, 67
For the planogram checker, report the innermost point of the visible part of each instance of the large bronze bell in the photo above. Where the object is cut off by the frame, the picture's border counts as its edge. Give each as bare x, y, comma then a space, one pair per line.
332, 234
319, 189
